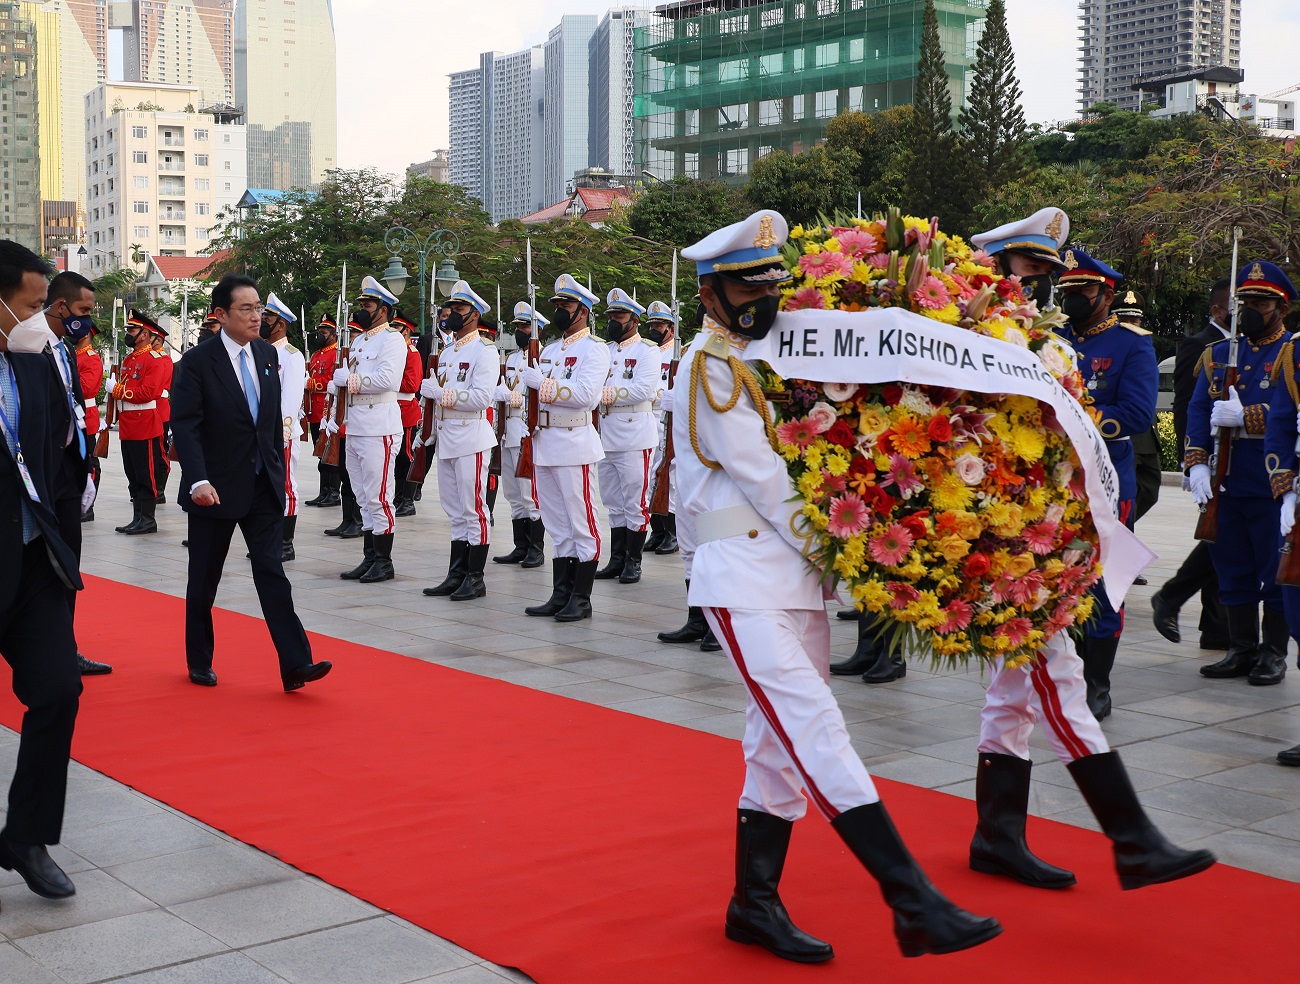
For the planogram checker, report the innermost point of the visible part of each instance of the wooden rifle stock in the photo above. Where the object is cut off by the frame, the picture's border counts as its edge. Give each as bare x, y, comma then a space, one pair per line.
110, 417
525, 467
1207, 525
494, 464
327, 446
420, 456
659, 504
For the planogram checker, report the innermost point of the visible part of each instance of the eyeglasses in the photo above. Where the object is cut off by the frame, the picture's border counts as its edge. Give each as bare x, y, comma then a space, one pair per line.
249, 309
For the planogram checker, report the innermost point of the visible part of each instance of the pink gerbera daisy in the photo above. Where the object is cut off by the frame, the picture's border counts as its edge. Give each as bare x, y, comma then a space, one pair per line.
1024, 590
957, 615
809, 298
1041, 536
848, 515
800, 433
1015, 631
878, 261
932, 294
856, 243
833, 484
902, 474
903, 595
891, 546
821, 265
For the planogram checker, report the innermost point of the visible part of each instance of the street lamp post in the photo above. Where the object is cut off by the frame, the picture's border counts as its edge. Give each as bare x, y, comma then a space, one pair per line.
439, 243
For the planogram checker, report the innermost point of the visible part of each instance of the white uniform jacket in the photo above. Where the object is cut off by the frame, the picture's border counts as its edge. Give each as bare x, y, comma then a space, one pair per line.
513, 391
629, 423
766, 571
379, 358
665, 369
293, 383
467, 372
576, 376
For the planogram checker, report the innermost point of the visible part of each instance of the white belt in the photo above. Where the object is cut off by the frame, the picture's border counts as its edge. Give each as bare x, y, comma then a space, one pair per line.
645, 406
445, 414
88, 403
719, 524
372, 400
406, 396
1116, 440
152, 404
564, 418
513, 411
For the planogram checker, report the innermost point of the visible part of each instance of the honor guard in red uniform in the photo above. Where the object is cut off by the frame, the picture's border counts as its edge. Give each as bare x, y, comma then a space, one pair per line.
409, 403
324, 355
90, 370
163, 465
145, 374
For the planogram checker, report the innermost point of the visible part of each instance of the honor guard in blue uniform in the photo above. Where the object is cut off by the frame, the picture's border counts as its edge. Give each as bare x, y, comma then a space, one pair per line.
1118, 364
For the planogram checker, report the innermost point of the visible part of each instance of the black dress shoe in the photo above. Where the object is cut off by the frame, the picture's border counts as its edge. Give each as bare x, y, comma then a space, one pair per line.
161, 500
1140, 581
847, 614
89, 667
204, 678
1165, 615
89, 515
38, 869
296, 678
1289, 757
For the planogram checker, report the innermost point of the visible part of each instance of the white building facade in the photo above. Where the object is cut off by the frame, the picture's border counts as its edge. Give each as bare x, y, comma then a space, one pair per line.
612, 76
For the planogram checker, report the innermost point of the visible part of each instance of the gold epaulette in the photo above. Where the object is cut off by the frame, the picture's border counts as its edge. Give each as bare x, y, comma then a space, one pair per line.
155, 353
1205, 362
289, 347
718, 345
1285, 366
1134, 328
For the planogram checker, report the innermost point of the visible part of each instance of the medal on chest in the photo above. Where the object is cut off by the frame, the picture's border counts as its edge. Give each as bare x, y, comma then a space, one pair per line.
462, 370
628, 366
570, 363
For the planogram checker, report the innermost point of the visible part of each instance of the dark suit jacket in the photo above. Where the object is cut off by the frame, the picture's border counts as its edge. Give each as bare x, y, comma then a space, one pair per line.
73, 468
216, 437
40, 395
1189, 353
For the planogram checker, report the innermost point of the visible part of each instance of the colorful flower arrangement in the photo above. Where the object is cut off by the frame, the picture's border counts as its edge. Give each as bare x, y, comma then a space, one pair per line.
957, 517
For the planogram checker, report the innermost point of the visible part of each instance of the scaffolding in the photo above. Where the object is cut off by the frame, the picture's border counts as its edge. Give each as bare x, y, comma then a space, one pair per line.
721, 83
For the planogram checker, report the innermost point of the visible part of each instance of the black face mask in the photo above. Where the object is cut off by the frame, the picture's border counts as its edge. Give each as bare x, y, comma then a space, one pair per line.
522, 338
132, 338
753, 319
1039, 288
455, 322
615, 331
363, 318
320, 339
1252, 324
265, 329
655, 335
563, 319
1078, 308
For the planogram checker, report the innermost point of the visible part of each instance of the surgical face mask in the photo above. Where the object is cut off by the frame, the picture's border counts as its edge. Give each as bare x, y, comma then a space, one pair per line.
455, 322
1040, 289
563, 319
753, 319
1078, 307
29, 336
363, 318
522, 338
656, 335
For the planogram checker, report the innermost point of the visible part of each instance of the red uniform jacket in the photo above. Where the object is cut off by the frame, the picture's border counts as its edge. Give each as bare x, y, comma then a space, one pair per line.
319, 373
411, 379
165, 401
90, 371
142, 379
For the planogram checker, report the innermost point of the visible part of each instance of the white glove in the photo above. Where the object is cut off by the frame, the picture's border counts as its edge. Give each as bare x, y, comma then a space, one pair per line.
331, 426
1229, 412
532, 377
340, 378
666, 402
1297, 421
88, 496
112, 383
1288, 513
1202, 486
1187, 483
430, 390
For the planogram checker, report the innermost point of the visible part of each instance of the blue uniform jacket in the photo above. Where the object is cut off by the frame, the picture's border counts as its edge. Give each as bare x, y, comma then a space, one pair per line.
1280, 432
1118, 365
1256, 385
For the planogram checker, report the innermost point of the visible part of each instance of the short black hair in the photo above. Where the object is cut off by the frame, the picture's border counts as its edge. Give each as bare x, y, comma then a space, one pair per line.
1220, 290
15, 261
67, 286
224, 292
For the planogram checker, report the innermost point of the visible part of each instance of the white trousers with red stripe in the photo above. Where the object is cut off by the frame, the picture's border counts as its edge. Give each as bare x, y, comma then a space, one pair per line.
370, 470
625, 488
795, 737
462, 483
1051, 689
568, 504
292, 452
518, 491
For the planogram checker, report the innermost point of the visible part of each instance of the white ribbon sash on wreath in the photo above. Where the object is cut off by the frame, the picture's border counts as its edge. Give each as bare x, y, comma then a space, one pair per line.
894, 345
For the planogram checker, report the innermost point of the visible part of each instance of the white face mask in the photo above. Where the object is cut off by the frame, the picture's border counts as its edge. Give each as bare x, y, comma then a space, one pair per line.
28, 337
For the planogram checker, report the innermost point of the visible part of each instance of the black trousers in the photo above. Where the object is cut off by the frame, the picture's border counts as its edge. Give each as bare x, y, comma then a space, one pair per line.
263, 529
351, 508
140, 463
1197, 574
67, 510
36, 641
405, 453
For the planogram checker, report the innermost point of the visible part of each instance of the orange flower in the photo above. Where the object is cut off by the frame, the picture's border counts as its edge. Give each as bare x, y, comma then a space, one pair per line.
909, 437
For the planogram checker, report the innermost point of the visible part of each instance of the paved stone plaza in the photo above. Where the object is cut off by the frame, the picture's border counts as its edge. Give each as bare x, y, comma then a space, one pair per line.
163, 899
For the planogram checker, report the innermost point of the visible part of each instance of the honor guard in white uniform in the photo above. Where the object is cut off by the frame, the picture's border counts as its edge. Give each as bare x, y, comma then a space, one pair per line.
569, 379
525, 514
661, 330
370, 381
628, 433
765, 604
276, 319
462, 391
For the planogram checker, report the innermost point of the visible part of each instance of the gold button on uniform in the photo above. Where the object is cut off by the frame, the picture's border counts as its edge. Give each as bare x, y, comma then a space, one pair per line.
753, 534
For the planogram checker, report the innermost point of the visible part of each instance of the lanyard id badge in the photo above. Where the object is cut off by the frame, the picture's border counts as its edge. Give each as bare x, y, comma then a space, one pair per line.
11, 434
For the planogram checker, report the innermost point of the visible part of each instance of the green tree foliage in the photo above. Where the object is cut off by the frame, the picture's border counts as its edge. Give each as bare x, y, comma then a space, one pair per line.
880, 141
683, 211
803, 186
993, 121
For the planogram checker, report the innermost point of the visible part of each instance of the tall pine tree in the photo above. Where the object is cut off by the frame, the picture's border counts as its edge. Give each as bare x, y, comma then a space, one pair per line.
992, 120
939, 167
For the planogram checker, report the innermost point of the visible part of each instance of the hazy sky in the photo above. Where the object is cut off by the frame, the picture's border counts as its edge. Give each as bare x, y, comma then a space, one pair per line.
394, 57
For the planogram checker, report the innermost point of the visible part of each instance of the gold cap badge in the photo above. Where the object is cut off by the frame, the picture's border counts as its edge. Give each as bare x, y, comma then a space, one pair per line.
1054, 227
1130, 298
1070, 262
766, 237
1256, 273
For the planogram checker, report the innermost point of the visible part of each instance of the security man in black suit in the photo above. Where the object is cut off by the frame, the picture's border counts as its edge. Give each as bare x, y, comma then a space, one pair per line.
68, 305
229, 438
36, 571
1197, 571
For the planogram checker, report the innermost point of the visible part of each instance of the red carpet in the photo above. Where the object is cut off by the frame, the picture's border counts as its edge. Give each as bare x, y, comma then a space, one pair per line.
584, 844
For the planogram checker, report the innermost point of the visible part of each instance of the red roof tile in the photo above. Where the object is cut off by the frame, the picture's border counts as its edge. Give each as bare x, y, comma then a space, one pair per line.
189, 267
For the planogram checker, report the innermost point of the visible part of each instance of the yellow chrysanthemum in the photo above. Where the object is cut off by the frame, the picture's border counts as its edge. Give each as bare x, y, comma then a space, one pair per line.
815, 516
913, 570
837, 463
1028, 443
797, 232
811, 248
873, 595
863, 273
832, 245
950, 492
948, 315
810, 483
854, 552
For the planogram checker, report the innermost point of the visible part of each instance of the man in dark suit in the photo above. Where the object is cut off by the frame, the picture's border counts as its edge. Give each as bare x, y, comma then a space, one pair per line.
36, 571
1197, 571
70, 301
229, 438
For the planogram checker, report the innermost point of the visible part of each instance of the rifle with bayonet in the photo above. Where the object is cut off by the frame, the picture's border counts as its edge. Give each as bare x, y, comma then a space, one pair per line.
1207, 524
659, 498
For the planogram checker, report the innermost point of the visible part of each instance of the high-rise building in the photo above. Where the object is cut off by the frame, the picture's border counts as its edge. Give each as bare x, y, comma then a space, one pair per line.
286, 84
160, 174
1124, 42
567, 103
612, 79
721, 83
180, 42
435, 169
465, 131
20, 165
